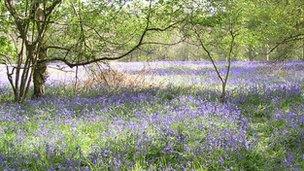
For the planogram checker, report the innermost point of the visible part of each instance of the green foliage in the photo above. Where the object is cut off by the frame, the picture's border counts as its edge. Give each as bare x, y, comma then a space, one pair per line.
6, 49
260, 26
92, 29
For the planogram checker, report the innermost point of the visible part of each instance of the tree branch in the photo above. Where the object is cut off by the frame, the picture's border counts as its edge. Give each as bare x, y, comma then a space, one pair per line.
286, 40
140, 42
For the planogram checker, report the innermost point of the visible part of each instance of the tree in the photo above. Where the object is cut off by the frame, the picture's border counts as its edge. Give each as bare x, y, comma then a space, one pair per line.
278, 26
214, 26
74, 32
223, 28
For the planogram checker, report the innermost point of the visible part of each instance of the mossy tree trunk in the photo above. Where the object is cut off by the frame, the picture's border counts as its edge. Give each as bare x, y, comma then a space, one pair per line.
39, 75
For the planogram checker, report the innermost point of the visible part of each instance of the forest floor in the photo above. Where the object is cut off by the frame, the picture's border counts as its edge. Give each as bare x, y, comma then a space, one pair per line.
158, 115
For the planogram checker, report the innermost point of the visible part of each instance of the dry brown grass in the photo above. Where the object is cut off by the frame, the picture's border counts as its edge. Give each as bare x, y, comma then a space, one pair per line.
110, 78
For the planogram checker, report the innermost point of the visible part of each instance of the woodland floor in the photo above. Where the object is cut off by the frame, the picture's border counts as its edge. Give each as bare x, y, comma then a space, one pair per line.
158, 115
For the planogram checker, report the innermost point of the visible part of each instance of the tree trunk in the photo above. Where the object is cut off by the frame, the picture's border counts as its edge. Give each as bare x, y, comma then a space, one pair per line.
39, 75
223, 93
24, 77
267, 54
250, 53
303, 50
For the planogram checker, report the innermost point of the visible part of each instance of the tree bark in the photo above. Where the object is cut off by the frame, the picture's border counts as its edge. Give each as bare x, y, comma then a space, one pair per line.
267, 54
223, 93
39, 75
303, 50
250, 53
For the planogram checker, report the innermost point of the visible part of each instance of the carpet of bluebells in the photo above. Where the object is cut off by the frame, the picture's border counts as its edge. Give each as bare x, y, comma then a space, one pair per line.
179, 125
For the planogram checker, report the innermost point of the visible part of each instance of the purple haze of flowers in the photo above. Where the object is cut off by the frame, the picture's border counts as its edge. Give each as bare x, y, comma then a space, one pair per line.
293, 119
207, 125
233, 139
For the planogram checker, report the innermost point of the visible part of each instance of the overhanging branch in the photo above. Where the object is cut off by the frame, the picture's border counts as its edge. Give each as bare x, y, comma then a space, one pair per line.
94, 60
286, 40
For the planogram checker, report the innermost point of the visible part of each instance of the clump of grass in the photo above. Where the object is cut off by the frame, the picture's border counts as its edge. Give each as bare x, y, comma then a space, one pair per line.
113, 79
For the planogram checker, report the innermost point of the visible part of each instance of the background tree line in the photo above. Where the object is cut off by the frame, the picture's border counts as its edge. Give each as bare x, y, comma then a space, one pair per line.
268, 30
